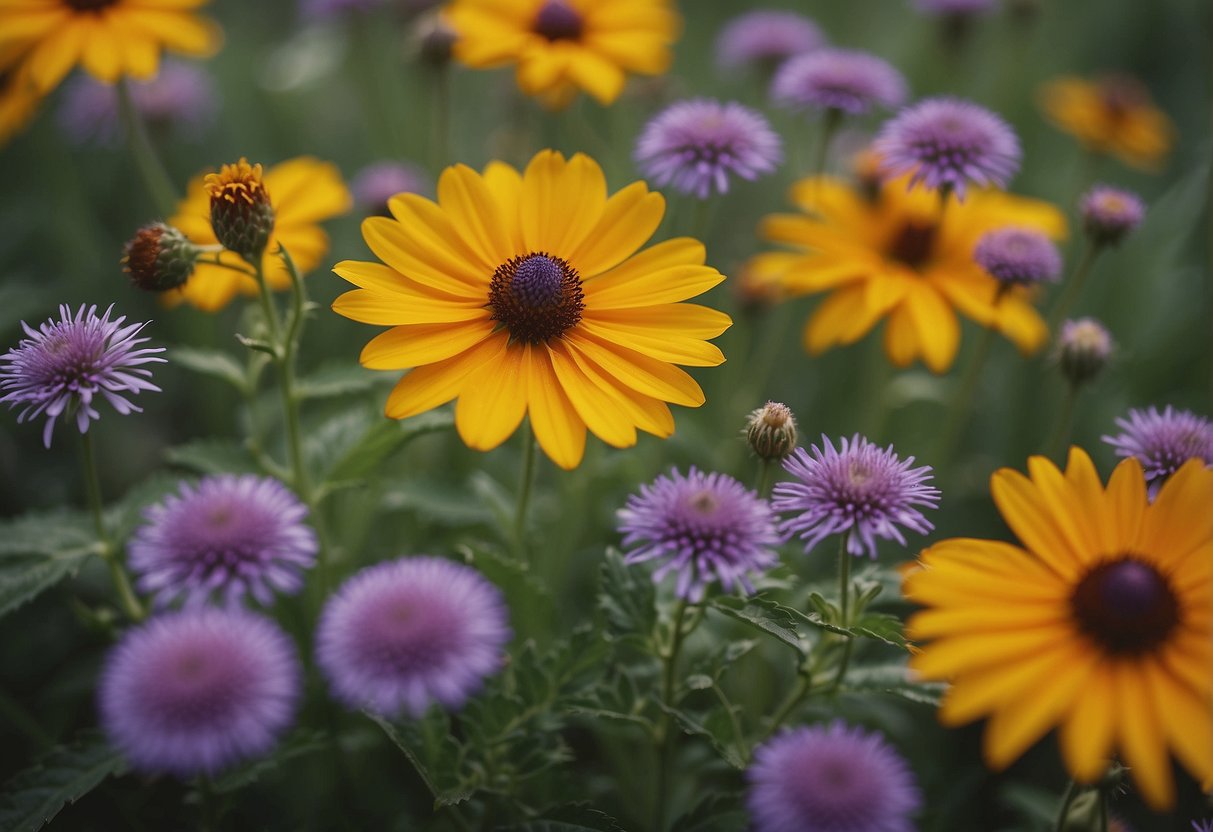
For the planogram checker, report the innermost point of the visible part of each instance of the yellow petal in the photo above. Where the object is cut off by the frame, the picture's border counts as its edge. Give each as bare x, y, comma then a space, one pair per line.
629, 288
1031, 518
937, 328
1187, 719
690, 352
641, 373
1086, 733
425, 388
688, 320
493, 401
1141, 737
417, 344
558, 428
628, 220
397, 309
473, 212
1180, 520
561, 202
600, 411
1126, 501
420, 244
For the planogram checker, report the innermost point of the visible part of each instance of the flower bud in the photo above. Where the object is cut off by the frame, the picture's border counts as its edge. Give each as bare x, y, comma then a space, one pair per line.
241, 214
434, 39
159, 258
1110, 214
771, 431
1083, 349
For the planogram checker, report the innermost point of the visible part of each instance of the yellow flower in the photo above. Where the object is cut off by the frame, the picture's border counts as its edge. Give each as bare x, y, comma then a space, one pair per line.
562, 45
18, 103
525, 295
889, 255
303, 192
1102, 624
1112, 115
109, 38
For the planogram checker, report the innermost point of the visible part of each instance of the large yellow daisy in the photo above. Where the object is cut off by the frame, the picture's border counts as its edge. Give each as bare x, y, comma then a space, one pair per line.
1101, 624
560, 46
109, 38
303, 192
1112, 115
888, 253
18, 103
524, 294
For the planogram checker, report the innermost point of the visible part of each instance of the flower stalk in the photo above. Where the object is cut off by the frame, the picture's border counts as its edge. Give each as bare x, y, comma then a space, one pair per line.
108, 551
151, 168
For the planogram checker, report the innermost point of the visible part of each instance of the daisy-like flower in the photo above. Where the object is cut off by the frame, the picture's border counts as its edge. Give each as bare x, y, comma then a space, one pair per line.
302, 191
947, 143
401, 635
64, 366
887, 252
705, 528
1101, 623
523, 294
1163, 442
1018, 256
859, 490
842, 80
1110, 214
695, 146
1113, 115
830, 778
1202, 825
193, 692
18, 103
111, 39
765, 38
561, 46
378, 182
227, 536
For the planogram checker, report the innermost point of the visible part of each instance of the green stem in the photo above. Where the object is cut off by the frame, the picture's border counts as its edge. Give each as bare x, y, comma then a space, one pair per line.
1066, 800
961, 404
1056, 445
794, 698
109, 553
525, 483
829, 126
665, 740
844, 606
440, 150
155, 178
766, 473
1073, 286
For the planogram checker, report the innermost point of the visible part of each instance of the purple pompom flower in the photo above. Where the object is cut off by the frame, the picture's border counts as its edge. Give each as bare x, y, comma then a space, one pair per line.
695, 146
766, 38
228, 536
1110, 214
955, 7
946, 143
704, 527
64, 365
831, 778
402, 634
1162, 442
192, 692
378, 182
859, 490
844, 80
1018, 256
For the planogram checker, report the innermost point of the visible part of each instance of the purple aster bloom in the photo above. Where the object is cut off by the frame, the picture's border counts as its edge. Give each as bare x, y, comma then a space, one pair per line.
1202, 825
859, 490
1110, 214
228, 536
192, 692
766, 38
63, 365
402, 634
844, 80
705, 527
946, 143
378, 182
831, 778
955, 7
696, 145
1162, 442
1018, 256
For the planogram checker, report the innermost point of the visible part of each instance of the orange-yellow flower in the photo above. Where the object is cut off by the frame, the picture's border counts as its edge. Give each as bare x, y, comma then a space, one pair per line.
18, 103
1113, 115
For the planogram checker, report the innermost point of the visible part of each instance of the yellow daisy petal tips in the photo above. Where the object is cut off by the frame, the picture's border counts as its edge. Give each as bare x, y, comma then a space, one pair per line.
1112, 115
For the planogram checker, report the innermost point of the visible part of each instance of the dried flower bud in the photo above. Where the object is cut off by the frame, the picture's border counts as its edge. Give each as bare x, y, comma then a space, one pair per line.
159, 258
1083, 349
241, 214
771, 431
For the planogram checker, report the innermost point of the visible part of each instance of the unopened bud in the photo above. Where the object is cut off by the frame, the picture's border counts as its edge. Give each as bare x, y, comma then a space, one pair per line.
159, 258
771, 431
241, 214
1110, 214
1083, 349
434, 39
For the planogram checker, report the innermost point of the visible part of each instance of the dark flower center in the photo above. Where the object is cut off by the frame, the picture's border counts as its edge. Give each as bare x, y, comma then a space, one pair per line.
704, 502
558, 21
913, 244
1127, 606
1121, 95
90, 5
536, 297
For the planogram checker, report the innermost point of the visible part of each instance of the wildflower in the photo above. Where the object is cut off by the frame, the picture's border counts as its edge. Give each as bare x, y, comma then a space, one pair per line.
1102, 623
64, 366
1083, 349
696, 145
705, 528
18, 103
1113, 115
1202, 825
519, 294
830, 778
378, 182
765, 38
1018, 256
159, 258
839, 80
226, 536
771, 431
1163, 442
433, 39
1110, 214
241, 215
400, 635
193, 692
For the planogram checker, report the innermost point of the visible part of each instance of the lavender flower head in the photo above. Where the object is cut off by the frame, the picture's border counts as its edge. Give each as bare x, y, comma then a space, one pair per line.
766, 38
193, 692
946, 143
831, 778
704, 527
64, 365
1110, 214
1162, 442
1018, 256
858, 490
955, 7
843, 80
229, 536
696, 145
378, 182
1202, 825
402, 634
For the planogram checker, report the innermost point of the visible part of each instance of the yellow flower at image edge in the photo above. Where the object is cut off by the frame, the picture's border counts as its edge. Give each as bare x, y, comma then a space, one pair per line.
1102, 624
524, 294
18, 103
303, 192
109, 38
1113, 114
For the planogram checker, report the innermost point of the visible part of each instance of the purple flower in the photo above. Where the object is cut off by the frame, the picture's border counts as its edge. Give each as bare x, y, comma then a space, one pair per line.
1110, 214
228, 536
766, 38
955, 7
378, 182
1202, 825
402, 634
1018, 256
946, 143
63, 365
696, 145
844, 80
831, 778
1162, 442
705, 527
859, 490
195, 691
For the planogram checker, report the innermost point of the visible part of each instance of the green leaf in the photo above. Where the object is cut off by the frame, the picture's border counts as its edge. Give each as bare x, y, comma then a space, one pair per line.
34, 796
443, 506
383, 439
40, 549
24, 578
213, 456
574, 817
342, 379
712, 726
125, 515
434, 753
626, 598
300, 743
213, 363
894, 679
764, 614
715, 813
881, 627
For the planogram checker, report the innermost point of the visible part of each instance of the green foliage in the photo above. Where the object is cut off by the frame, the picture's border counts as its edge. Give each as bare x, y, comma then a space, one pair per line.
381, 439
38, 550
300, 743
213, 456
574, 817
766, 615
715, 813
212, 363
335, 379
33, 797
627, 600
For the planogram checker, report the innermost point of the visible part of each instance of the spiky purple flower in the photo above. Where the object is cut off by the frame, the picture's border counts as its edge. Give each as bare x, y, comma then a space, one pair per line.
946, 143
705, 527
1162, 442
860, 490
1202, 825
843, 80
830, 778
63, 366
1018, 256
1110, 214
955, 7
766, 38
192, 692
378, 182
227, 536
400, 635
696, 145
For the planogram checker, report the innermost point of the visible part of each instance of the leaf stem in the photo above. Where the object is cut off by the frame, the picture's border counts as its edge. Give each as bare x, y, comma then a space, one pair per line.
155, 178
1074, 286
525, 484
665, 739
1061, 428
109, 553
844, 594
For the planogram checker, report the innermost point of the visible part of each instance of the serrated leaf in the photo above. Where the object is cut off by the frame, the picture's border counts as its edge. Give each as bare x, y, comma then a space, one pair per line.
626, 598
383, 439
881, 627
436, 505
715, 813
300, 743
895, 680
24, 577
342, 379
213, 456
764, 614
713, 730
574, 817
58, 532
125, 515
34, 796
434, 753
213, 363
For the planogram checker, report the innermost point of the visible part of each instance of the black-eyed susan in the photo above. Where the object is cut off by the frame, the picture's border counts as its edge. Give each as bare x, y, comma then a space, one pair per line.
886, 252
1101, 624
18, 103
303, 192
111, 39
1113, 115
560, 46
525, 294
